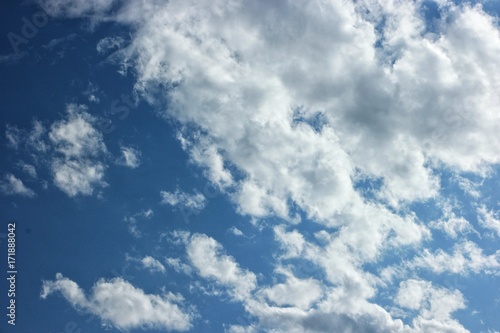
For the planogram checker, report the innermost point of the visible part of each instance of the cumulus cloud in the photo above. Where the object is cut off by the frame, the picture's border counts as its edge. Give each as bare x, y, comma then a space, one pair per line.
281, 307
207, 257
152, 264
72, 148
78, 145
292, 319
11, 185
78, 177
295, 292
205, 153
292, 243
257, 141
75, 136
435, 305
120, 304
466, 257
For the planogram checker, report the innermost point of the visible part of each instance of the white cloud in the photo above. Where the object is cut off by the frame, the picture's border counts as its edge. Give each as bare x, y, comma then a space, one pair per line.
294, 320
78, 177
120, 304
488, 219
295, 292
76, 167
152, 264
466, 257
11, 185
130, 157
235, 231
468, 186
240, 329
292, 243
207, 257
435, 305
195, 201
453, 226
76, 136
205, 153
72, 148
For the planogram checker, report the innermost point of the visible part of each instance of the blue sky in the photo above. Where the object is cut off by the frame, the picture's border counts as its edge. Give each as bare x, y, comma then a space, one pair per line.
251, 166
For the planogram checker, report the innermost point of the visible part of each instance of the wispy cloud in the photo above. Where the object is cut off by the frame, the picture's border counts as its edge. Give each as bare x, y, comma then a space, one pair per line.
108, 44
28, 169
11, 185
489, 219
13, 58
76, 8
130, 157
134, 219
194, 201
